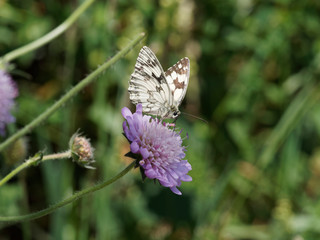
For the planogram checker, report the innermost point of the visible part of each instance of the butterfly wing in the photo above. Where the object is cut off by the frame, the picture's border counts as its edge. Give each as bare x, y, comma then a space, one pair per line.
178, 79
148, 84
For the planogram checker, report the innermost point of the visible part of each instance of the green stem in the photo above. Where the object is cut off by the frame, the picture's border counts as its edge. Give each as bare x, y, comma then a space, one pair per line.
72, 198
49, 36
32, 161
90, 78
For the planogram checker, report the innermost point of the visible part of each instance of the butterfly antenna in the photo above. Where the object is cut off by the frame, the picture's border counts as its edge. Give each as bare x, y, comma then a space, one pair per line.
199, 118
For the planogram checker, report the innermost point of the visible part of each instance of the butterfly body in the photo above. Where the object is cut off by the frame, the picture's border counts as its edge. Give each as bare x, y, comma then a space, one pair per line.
159, 92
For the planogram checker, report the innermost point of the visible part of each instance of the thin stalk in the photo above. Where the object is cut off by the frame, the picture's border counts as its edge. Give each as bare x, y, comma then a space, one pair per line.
72, 92
49, 36
68, 200
32, 161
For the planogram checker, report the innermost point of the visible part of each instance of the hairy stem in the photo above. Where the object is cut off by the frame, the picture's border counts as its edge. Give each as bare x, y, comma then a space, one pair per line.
68, 200
72, 92
49, 36
33, 161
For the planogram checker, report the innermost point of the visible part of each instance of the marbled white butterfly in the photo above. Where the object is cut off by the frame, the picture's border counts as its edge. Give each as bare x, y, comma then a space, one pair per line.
159, 92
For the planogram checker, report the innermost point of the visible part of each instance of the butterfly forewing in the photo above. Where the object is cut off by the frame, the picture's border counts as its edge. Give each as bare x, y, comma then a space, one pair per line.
178, 79
159, 92
148, 84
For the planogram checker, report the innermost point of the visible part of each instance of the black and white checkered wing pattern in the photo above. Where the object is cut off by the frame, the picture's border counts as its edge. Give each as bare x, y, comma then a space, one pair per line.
178, 79
148, 84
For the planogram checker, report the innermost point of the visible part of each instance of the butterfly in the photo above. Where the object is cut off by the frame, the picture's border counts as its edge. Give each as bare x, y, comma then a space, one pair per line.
159, 92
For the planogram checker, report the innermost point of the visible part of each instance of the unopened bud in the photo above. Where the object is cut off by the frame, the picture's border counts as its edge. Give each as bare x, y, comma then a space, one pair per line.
17, 151
81, 151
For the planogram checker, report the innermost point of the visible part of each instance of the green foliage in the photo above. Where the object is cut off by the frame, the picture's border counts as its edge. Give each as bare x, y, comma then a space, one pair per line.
254, 78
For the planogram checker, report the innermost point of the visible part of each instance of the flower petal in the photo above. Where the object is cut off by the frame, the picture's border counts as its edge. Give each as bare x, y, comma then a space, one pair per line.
126, 112
186, 178
175, 190
127, 131
144, 152
150, 173
139, 108
134, 147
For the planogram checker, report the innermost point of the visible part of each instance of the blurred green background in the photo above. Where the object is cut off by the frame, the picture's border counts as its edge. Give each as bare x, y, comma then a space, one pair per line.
255, 67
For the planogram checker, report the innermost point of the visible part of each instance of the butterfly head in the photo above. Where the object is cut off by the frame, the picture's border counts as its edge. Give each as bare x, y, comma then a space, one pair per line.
173, 112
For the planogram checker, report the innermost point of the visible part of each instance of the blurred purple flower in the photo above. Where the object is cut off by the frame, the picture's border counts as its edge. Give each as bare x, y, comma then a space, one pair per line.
159, 149
8, 91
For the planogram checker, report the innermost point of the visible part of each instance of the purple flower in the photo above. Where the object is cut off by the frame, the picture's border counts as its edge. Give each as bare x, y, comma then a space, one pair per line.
159, 149
8, 91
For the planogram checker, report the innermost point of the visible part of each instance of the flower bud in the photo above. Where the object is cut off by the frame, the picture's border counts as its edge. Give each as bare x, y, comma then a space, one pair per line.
17, 151
81, 151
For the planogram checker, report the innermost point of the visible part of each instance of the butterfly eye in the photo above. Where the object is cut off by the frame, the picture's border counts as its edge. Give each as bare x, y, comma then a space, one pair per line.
175, 114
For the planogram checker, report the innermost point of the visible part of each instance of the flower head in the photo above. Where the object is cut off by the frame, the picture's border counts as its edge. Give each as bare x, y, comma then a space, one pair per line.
81, 151
159, 149
8, 91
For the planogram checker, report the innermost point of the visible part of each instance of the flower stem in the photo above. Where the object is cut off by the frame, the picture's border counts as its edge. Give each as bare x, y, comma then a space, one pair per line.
72, 92
68, 200
49, 36
33, 161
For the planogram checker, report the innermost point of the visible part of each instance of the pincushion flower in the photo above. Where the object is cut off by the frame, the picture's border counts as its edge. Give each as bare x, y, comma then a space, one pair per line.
158, 148
8, 91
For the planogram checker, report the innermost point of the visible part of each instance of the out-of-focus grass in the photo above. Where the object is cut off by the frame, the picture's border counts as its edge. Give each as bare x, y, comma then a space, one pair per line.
254, 77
